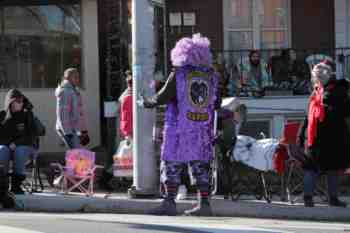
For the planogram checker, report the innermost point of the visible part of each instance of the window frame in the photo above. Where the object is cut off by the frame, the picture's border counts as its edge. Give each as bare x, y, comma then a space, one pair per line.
256, 29
21, 3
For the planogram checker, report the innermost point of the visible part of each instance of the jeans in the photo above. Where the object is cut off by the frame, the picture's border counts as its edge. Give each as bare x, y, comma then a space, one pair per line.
20, 157
309, 182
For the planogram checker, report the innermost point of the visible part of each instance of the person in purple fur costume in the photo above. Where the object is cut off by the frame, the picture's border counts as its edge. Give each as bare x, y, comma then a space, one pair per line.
190, 95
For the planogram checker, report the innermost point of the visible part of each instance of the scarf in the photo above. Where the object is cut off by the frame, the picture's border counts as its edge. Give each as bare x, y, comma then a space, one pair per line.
316, 114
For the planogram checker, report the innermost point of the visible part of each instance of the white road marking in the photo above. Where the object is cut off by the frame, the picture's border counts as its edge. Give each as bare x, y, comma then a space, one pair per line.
6, 229
216, 224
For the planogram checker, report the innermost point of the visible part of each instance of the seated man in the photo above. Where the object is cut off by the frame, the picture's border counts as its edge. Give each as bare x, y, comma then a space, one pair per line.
254, 74
19, 130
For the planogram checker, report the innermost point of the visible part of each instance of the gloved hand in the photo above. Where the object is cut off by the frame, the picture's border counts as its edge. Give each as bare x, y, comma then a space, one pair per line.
145, 102
84, 138
128, 140
140, 101
12, 146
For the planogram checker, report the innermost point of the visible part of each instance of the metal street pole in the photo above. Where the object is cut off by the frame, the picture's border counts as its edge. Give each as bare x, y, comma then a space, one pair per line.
143, 63
165, 34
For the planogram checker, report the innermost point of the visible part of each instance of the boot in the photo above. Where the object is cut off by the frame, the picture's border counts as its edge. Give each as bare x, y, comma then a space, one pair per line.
182, 193
308, 201
201, 209
6, 199
334, 201
167, 207
16, 183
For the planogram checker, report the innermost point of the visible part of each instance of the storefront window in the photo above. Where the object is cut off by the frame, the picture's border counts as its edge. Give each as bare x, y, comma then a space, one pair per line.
37, 43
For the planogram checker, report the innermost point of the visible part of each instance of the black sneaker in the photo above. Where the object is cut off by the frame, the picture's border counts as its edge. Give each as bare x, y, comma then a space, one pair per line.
17, 190
202, 209
166, 208
7, 200
334, 201
308, 202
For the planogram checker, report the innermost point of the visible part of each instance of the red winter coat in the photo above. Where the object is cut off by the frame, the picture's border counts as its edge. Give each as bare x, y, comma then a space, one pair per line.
125, 113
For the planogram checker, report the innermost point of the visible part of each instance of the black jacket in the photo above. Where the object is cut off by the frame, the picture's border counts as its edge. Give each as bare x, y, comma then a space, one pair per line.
332, 141
21, 128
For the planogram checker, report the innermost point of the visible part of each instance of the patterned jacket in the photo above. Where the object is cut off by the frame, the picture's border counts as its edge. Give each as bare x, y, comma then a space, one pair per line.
245, 68
69, 109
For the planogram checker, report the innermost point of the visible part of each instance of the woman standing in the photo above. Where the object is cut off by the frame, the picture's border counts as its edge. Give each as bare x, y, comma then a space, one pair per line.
328, 134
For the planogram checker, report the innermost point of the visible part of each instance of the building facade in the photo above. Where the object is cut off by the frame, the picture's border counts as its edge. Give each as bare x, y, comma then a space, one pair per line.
39, 39
313, 30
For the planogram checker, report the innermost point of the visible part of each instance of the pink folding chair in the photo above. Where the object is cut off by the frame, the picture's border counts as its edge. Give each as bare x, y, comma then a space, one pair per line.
78, 171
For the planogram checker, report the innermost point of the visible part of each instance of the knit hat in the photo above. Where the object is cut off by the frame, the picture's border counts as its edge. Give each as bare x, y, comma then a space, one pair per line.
322, 72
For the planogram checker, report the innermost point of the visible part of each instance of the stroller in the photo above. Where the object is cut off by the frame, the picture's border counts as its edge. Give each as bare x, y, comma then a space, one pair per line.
240, 173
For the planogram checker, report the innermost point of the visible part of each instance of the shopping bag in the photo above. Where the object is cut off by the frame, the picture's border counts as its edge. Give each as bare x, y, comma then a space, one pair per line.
123, 163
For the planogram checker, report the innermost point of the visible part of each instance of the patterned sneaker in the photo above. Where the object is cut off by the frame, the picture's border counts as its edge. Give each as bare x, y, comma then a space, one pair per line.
167, 207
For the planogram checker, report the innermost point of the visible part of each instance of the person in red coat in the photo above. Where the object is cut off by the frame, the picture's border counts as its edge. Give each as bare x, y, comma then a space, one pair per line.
125, 127
327, 133
125, 110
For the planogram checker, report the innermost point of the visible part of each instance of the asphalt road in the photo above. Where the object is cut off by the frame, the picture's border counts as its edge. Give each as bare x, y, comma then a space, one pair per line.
12, 222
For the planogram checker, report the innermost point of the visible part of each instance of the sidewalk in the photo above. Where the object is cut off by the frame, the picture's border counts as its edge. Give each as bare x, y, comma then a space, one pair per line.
121, 204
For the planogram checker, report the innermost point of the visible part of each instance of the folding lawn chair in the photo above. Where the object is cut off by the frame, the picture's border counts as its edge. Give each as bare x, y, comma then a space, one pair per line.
79, 171
33, 182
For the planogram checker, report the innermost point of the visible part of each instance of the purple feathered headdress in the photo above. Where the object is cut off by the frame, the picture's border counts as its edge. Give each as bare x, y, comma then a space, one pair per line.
193, 51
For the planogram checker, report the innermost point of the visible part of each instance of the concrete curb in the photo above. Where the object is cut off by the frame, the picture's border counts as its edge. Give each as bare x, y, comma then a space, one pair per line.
225, 208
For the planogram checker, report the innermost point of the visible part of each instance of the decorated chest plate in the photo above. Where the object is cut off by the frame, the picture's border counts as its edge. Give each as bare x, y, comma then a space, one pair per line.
198, 95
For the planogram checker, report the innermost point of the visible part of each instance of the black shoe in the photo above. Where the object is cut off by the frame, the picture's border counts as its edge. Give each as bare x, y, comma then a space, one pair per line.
16, 184
166, 208
7, 200
201, 209
17, 190
334, 201
308, 202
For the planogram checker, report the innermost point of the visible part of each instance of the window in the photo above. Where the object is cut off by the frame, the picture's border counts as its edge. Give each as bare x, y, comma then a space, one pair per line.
259, 24
38, 42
